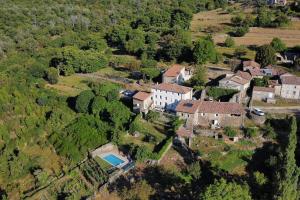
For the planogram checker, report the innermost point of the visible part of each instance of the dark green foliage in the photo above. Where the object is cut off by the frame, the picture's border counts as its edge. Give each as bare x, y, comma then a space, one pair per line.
199, 78
287, 174
221, 189
261, 82
230, 132
83, 101
204, 50
110, 91
241, 31
264, 18
52, 75
194, 170
84, 134
181, 17
278, 45
265, 55
142, 153
150, 72
220, 93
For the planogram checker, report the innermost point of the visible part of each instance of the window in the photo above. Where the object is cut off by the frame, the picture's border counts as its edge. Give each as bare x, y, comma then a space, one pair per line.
166, 98
160, 97
159, 103
216, 115
182, 114
155, 96
294, 93
188, 115
178, 94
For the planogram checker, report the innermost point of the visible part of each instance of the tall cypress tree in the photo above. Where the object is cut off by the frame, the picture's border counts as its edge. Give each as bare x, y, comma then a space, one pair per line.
287, 172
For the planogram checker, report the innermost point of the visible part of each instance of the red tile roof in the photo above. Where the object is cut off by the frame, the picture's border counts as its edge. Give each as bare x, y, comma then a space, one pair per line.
172, 88
210, 107
251, 63
188, 106
239, 80
290, 80
263, 89
173, 71
142, 96
220, 107
256, 72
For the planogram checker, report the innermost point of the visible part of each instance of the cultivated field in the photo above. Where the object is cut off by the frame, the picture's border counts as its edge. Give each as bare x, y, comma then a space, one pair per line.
218, 23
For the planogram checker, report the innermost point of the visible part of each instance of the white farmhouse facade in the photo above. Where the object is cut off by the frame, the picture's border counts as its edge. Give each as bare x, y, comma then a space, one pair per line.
167, 95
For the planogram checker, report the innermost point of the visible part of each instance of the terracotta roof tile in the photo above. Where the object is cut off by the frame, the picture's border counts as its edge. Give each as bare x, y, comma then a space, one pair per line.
173, 71
172, 88
290, 80
244, 75
251, 63
142, 95
210, 107
263, 89
188, 106
183, 132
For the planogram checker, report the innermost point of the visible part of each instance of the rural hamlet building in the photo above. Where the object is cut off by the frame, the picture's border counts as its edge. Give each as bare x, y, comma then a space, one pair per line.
250, 65
210, 113
263, 94
239, 81
176, 74
167, 95
290, 87
142, 102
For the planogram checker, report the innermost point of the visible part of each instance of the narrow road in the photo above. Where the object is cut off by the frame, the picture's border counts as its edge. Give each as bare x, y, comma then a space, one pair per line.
284, 110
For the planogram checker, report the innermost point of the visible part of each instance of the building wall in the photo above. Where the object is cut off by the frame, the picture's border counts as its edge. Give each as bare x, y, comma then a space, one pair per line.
142, 106
230, 85
260, 96
169, 100
168, 79
206, 119
181, 78
290, 91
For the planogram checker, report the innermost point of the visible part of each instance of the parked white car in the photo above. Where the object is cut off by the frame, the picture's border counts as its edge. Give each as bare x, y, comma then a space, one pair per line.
258, 112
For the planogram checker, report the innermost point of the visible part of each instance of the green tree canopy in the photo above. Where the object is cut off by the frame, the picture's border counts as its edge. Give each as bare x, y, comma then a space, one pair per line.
278, 45
265, 55
83, 101
223, 190
204, 50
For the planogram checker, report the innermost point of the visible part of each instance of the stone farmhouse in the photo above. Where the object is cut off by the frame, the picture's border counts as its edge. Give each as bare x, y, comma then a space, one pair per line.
290, 87
250, 65
210, 113
239, 81
263, 94
142, 102
176, 74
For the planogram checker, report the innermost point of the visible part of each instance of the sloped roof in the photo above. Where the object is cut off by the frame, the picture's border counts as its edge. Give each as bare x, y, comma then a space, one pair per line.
244, 75
251, 63
290, 80
188, 106
172, 88
173, 71
263, 89
142, 96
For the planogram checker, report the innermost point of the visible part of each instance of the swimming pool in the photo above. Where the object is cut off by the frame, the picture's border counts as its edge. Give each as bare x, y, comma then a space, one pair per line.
113, 160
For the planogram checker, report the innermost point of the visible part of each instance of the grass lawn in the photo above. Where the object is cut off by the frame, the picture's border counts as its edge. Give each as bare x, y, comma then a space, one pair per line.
146, 128
70, 85
109, 71
230, 158
103, 164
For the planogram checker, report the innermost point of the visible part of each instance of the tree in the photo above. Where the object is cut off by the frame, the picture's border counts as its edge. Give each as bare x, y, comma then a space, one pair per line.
52, 75
278, 45
297, 64
204, 50
152, 116
194, 170
199, 77
83, 101
287, 173
181, 17
251, 132
150, 72
241, 31
229, 42
221, 190
265, 55
264, 17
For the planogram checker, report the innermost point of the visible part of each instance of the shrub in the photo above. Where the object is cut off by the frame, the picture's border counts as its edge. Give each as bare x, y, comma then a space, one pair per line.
251, 132
230, 132
241, 31
278, 45
52, 75
269, 132
220, 93
152, 116
229, 42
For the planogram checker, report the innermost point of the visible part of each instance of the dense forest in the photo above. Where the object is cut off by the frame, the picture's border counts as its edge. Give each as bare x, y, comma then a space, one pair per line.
44, 134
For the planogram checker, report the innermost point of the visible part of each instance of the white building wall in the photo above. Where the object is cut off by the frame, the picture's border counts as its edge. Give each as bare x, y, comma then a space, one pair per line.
290, 91
166, 99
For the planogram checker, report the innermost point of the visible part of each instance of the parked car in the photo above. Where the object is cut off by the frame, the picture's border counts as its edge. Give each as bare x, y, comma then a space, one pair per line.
258, 112
129, 93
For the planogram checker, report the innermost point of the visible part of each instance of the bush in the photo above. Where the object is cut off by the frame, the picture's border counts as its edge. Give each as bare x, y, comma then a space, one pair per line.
52, 75
221, 93
251, 132
269, 132
241, 31
152, 116
230, 132
229, 42
278, 45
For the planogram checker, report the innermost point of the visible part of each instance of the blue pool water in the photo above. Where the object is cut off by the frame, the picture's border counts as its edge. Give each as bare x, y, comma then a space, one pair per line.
113, 160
